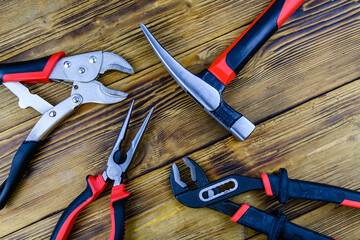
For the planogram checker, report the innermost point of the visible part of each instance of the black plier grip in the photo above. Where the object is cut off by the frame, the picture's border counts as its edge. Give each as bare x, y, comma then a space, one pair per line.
285, 188
95, 186
117, 208
48, 121
274, 226
19, 164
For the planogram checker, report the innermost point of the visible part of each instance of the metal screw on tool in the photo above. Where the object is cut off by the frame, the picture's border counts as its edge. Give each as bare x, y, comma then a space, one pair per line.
52, 114
81, 70
113, 172
92, 59
67, 64
76, 99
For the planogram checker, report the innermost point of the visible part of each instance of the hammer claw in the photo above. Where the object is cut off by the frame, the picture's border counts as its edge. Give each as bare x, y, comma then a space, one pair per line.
205, 89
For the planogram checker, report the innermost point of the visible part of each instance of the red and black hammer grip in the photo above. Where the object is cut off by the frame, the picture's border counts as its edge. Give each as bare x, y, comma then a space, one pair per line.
286, 188
33, 71
18, 166
118, 201
95, 185
274, 226
230, 62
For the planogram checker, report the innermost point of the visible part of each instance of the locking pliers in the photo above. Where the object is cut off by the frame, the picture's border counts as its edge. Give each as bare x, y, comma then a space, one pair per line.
82, 71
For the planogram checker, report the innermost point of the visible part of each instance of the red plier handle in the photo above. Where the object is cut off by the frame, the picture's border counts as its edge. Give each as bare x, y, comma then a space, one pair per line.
118, 200
32, 71
95, 185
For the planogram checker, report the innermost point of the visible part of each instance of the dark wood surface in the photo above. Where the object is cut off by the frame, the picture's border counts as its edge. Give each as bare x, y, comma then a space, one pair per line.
301, 89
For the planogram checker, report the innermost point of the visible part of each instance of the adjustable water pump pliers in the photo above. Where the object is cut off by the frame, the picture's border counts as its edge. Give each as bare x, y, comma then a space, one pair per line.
82, 70
95, 185
214, 196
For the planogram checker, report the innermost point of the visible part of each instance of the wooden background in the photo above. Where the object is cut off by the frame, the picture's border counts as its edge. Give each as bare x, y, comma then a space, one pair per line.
301, 89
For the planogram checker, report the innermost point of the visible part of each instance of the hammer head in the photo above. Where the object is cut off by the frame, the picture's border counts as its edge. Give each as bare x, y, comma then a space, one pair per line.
205, 89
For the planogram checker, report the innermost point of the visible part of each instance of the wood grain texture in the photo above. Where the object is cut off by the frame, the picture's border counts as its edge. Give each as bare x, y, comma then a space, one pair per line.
301, 89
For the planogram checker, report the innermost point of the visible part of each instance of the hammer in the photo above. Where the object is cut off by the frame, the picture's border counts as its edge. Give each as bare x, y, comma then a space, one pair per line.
206, 88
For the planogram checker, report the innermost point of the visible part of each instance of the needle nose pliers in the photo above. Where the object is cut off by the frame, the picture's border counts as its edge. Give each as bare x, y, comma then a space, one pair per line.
214, 196
95, 185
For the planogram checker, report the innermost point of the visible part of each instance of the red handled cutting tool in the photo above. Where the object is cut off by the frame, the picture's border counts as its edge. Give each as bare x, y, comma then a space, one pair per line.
95, 185
214, 195
82, 70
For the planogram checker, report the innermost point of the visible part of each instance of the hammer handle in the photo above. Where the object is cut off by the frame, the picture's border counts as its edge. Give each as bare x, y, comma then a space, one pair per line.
230, 62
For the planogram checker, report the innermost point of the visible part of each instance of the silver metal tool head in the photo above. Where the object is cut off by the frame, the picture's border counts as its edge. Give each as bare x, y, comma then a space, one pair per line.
177, 185
197, 175
203, 93
122, 134
96, 92
28, 99
175, 176
84, 69
112, 61
115, 170
135, 143
87, 67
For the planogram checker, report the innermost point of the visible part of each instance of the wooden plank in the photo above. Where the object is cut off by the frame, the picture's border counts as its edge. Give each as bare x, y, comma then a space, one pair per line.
317, 141
10, 12
315, 43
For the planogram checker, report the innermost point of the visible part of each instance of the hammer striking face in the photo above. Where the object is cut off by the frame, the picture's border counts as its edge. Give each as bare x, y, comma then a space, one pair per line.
206, 88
